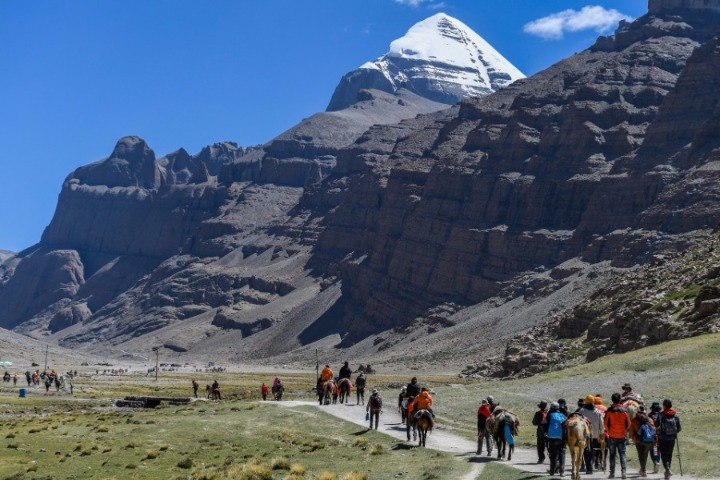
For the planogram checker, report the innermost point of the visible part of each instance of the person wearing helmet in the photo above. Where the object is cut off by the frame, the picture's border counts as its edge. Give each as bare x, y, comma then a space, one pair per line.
595, 419
554, 433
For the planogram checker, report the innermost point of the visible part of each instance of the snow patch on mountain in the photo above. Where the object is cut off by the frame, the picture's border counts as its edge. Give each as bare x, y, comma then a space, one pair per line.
439, 58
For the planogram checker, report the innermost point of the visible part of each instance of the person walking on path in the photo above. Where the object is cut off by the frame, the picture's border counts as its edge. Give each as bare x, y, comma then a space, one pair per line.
595, 418
195, 386
538, 420
264, 390
668, 429
409, 422
360, 388
483, 414
617, 423
553, 427
642, 432
655, 410
374, 408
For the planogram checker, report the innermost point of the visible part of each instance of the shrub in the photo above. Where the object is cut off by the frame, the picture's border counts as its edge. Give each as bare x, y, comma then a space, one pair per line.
355, 476
185, 463
297, 470
376, 449
280, 463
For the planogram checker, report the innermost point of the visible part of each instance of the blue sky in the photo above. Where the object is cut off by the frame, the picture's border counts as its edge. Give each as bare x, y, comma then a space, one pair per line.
78, 75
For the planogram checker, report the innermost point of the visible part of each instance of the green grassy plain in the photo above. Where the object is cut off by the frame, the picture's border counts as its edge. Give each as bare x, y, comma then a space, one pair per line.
686, 371
84, 436
53, 437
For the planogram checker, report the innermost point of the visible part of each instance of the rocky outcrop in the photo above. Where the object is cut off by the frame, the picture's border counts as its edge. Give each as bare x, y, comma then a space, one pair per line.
674, 296
448, 209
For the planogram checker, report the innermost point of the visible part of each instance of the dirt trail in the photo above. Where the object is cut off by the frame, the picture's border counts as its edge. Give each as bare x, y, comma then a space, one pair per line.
464, 449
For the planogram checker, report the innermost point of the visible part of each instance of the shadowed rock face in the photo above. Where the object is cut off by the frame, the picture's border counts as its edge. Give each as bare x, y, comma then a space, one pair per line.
449, 210
333, 232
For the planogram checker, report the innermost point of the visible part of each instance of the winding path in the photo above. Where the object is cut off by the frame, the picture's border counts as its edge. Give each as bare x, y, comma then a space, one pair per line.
464, 449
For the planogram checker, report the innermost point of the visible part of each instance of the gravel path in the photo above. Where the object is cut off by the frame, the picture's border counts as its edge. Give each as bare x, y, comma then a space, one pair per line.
464, 449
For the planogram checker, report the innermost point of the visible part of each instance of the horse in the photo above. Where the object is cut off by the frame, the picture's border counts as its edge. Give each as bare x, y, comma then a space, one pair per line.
578, 434
277, 391
345, 386
600, 451
504, 426
632, 406
325, 392
423, 424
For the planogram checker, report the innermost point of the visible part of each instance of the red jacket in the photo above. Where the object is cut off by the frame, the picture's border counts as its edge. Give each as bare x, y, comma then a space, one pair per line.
617, 421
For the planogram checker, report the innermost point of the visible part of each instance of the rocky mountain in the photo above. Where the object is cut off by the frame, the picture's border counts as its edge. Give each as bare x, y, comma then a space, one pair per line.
673, 296
439, 58
450, 233
5, 254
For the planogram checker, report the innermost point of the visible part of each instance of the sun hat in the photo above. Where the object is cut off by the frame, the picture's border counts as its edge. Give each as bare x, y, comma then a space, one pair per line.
484, 402
554, 406
589, 400
375, 390
542, 404
627, 386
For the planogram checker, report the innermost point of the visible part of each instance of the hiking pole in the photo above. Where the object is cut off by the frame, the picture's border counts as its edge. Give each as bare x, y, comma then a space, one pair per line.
677, 441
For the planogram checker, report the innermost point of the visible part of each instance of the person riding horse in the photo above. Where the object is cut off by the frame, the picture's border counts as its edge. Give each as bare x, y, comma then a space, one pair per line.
345, 371
629, 394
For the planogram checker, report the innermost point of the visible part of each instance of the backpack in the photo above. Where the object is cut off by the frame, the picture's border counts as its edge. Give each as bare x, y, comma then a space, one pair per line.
555, 421
375, 401
646, 432
360, 382
668, 426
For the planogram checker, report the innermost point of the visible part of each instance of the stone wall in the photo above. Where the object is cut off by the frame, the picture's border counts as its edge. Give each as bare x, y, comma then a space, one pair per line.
657, 5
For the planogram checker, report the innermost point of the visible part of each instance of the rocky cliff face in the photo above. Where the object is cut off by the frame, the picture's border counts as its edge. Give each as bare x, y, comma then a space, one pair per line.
339, 233
447, 210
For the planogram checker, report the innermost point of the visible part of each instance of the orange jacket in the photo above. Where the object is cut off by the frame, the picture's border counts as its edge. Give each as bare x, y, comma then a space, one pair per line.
410, 409
327, 374
264, 389
422, 401
617, 421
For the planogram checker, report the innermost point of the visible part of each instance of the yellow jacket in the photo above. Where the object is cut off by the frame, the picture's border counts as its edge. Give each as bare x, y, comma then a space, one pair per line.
327, 374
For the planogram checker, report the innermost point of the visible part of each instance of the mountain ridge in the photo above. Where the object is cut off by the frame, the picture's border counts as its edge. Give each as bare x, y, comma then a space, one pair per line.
491, 215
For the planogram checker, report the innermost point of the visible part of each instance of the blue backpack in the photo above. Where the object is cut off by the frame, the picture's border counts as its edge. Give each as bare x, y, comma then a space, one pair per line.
646, 432
555, 421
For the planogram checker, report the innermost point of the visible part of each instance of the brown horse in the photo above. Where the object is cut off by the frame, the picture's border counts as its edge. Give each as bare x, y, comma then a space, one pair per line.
497, 423
345, 386
424, 424
578, 435
325, 392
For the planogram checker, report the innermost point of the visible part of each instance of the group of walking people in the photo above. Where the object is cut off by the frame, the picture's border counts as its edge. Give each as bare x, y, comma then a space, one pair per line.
654, 433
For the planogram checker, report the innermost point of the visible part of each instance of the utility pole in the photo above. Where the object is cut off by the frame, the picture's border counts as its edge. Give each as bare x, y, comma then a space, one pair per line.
157, 361
46, 353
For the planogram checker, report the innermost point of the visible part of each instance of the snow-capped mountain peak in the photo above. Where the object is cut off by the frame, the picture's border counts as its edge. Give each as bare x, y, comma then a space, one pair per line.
439, 58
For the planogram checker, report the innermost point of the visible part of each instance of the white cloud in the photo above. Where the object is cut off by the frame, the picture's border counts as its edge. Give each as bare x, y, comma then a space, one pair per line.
554, 26
416, 3
412, 3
